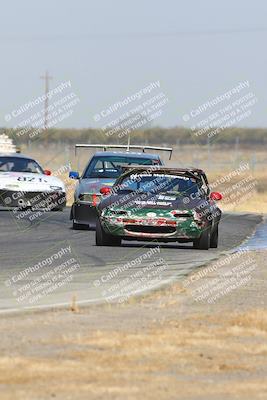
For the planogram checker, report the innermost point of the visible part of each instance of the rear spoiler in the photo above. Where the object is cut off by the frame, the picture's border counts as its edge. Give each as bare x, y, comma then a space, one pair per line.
124, 146
190, 172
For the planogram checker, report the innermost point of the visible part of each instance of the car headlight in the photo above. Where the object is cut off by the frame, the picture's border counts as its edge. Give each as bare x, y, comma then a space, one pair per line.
197, 216
118, 212
11, 186
57, 188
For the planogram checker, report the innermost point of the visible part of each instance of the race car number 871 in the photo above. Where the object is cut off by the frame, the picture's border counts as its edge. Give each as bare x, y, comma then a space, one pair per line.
31, 179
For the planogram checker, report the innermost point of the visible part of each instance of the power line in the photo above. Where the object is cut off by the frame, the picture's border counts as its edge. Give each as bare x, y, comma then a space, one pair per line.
135, 35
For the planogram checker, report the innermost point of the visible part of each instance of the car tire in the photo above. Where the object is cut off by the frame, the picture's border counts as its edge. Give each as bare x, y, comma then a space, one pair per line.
214, 238
104, 239
203, 243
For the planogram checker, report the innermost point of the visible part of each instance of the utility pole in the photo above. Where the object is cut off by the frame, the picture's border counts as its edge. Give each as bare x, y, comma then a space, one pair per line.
208, 143
46, 78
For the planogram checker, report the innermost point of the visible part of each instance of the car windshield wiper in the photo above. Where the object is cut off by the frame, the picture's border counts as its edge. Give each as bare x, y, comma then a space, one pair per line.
137, 191
127, 190
171, 193
99, 176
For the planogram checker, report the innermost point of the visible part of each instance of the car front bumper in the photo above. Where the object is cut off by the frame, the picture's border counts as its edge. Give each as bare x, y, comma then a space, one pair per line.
84, 213
166, 229
34, 200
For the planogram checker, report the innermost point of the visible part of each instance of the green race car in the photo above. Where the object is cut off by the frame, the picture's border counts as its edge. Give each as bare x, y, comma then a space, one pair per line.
159, 204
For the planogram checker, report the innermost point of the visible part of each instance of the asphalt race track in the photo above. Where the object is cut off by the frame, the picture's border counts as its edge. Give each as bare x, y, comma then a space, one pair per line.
45, 263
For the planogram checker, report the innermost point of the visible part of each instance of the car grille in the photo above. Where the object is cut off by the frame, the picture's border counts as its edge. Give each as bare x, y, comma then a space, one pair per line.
90, 198
36, 199
150, 229
182, 215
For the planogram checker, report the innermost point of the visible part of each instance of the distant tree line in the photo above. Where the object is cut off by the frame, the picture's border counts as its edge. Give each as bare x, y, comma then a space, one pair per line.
153, 136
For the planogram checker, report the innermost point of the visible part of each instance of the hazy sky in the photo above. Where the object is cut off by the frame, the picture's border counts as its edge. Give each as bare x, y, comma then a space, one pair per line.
110, 49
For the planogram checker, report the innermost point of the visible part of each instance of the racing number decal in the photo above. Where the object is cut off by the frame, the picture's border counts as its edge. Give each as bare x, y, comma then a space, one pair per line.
30, 179
25, 179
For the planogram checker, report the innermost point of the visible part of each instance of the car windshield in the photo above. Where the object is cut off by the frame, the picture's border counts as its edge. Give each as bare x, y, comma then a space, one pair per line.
111, 166
159, 183
19, 164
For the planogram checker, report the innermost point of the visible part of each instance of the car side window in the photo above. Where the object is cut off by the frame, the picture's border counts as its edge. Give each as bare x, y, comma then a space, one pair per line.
33, 167
5, 166
99, 167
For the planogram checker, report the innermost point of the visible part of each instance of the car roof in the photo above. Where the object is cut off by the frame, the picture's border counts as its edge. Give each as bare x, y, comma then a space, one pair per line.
15, 155
127, 154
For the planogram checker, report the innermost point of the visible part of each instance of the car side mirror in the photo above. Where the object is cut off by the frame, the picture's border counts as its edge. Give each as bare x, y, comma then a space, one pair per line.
74, 175
47, 172
106, 190
216, 196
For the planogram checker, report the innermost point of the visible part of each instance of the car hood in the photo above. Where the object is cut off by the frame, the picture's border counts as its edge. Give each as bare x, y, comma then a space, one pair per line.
26, 181
93, 185
151, 201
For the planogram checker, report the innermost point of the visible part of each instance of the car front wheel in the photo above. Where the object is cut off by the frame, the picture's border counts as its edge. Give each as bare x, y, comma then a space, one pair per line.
203, 243
214, 238
104, 239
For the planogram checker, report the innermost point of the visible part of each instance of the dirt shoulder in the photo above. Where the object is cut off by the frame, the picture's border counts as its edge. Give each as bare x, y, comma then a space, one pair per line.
205, 337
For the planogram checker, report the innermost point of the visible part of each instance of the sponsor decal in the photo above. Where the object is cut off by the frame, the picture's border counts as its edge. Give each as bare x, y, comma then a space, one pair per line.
151, 214
170, 198
152, 203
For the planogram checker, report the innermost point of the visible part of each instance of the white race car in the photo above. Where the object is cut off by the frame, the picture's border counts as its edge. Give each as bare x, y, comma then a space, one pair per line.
24, 184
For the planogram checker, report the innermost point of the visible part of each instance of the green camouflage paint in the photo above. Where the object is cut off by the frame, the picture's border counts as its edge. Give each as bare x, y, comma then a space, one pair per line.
115, 219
